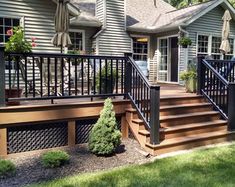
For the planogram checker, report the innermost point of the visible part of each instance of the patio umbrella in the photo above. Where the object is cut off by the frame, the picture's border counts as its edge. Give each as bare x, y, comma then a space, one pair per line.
61, 38
225, 46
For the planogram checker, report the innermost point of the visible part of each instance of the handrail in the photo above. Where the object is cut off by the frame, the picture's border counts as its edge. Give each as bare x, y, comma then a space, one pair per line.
223, 80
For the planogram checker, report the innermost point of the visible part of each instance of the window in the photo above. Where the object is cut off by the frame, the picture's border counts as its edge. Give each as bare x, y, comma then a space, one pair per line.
203, 42
140, 49
215, 51
5, 25
210, 45
77, 41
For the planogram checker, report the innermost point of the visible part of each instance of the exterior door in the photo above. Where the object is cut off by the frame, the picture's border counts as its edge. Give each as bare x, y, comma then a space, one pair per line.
168, 60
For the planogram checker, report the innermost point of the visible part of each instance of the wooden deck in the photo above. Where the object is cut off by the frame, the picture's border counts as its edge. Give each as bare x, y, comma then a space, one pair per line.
167, 90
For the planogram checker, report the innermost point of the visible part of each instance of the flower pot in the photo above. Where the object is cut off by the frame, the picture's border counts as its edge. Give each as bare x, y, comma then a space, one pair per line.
107, 89
191, 85
13, 93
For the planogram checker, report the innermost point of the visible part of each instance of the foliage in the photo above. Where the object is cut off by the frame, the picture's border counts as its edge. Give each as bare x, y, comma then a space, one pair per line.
108, 72
7, 168
105, 137
207, 167
17, 42
188, 75
185, 3
185, 41
53, 159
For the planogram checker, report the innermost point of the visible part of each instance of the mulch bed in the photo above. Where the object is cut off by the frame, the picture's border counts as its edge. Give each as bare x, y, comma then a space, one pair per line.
30, 170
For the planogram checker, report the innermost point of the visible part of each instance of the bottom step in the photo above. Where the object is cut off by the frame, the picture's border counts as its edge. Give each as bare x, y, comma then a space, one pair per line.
188, 142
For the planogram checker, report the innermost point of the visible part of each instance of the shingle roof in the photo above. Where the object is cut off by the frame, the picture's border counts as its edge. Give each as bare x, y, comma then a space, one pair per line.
143, 15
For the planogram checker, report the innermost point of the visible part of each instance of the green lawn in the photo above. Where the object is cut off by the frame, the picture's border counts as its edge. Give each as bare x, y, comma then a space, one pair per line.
211, 167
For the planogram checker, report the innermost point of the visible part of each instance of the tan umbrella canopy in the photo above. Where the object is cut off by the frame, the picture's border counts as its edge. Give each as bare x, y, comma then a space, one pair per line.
225, 46
61, 38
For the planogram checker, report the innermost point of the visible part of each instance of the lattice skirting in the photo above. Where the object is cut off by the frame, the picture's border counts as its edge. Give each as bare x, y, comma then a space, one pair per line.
83, 128
36, 137
48, 135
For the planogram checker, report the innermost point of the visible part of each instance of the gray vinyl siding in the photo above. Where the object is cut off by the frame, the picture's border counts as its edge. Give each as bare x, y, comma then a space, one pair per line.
38, 18
211, 24
114, 40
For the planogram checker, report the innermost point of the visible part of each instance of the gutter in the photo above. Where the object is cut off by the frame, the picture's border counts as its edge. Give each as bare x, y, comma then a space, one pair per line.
184, 31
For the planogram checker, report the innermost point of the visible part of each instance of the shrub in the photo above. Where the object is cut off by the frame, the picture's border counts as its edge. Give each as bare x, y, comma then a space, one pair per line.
7, 168
185, 41
105, 137
53, 159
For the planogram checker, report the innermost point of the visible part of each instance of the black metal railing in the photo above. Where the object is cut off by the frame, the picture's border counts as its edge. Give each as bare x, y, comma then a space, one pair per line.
216, 83
60, 76
47, 76
145, 97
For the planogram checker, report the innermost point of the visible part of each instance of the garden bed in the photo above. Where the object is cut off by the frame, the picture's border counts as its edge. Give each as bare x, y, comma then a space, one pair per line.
30, 169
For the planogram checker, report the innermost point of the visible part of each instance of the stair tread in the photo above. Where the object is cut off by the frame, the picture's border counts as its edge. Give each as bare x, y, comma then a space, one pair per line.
130, 110
194, 125
144, 132
137, 120
162, 118
185, 105
189, 138
181, 97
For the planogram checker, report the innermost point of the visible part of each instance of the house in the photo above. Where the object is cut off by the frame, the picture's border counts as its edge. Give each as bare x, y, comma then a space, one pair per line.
150, 30
37, 18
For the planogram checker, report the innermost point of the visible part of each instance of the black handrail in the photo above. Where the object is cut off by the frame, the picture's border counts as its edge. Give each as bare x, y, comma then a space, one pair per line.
145, 98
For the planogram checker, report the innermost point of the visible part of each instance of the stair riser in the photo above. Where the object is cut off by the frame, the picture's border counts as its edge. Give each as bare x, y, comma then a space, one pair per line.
193, 144
188, 120
181, 101
182, 133
185, 110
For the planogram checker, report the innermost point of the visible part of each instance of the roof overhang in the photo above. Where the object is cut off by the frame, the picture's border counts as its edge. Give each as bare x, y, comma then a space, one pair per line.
73, 10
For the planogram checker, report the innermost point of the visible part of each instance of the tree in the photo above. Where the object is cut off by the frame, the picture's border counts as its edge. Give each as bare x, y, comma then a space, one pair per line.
185, 3
105, 137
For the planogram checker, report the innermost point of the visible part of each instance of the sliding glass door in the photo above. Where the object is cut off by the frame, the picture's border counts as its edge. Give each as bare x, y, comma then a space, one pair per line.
163, 60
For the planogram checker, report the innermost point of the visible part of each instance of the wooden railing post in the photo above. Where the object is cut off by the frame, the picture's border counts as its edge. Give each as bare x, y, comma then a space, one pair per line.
231, 106
2, 77
200, 75
128, 74
155, 115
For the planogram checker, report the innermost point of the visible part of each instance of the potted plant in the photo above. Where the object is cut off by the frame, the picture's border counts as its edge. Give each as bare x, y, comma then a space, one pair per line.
16, 44
105, 79
185, 42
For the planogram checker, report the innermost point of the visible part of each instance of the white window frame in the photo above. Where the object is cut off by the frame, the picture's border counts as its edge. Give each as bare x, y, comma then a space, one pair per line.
168, 59
210, 44
83, 37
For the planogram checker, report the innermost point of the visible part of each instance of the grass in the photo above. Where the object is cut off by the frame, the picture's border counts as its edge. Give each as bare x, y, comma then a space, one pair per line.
213, 167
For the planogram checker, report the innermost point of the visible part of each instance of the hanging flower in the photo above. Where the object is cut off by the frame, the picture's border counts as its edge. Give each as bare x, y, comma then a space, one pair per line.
34, 44
10, 32
33, 39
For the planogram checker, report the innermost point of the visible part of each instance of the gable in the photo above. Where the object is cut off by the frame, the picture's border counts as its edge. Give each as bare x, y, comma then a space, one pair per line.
212, 22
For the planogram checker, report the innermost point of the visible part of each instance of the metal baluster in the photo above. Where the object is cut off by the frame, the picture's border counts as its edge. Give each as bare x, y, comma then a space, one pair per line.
41, 79
100, 74
9, 72
76, 76
117, 77
48, 77
106, 76
33, 77
88, 76
94, 60
82, 70
122, 76
62, 76
111, 82
56, 76
69, 82
18, 77
26, 77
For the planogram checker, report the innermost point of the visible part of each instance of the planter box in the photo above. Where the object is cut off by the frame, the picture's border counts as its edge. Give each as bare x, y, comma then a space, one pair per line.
191, 85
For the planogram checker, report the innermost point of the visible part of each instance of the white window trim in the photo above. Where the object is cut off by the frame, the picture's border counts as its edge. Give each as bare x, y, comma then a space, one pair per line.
210, 43
83, 37
168, 59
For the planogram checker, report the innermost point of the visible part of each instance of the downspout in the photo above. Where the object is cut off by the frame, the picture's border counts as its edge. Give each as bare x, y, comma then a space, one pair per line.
184, 31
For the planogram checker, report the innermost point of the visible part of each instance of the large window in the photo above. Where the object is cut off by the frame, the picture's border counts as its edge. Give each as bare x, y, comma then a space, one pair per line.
77, 40
140, 48
5, 25
210, 45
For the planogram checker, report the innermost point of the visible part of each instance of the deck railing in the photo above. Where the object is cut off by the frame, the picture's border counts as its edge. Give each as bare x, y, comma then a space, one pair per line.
216, 83
47, 76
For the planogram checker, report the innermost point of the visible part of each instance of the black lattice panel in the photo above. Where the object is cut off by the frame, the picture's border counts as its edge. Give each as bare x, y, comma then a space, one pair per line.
83, 129
35, 137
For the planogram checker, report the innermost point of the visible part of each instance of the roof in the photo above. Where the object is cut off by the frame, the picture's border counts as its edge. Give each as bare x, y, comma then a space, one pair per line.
74, 11
144, 16
87, 16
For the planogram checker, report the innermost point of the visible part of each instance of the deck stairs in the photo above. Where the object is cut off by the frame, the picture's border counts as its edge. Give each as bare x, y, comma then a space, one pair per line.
186, 122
